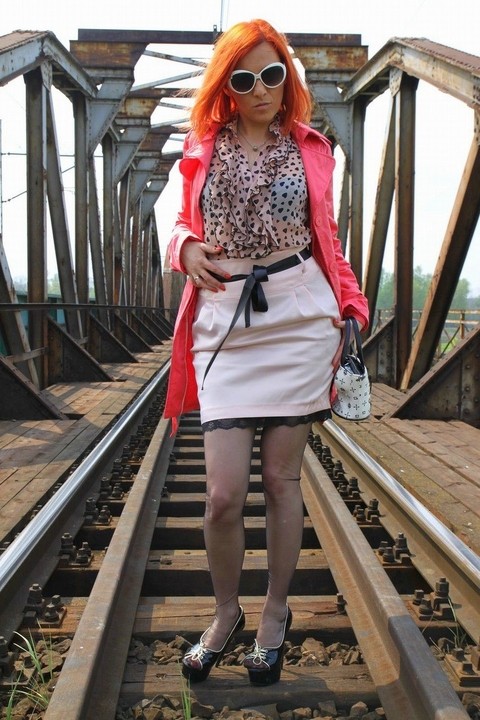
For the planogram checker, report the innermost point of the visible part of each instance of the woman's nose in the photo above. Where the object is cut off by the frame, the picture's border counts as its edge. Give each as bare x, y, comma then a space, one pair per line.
259, 88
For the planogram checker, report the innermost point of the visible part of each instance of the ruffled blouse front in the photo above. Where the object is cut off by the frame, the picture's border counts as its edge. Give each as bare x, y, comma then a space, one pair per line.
254, 211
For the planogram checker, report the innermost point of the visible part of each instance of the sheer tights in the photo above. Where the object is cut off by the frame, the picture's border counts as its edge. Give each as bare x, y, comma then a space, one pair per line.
228, 457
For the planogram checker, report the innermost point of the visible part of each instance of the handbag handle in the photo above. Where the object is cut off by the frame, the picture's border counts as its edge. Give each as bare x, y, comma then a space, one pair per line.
352, 339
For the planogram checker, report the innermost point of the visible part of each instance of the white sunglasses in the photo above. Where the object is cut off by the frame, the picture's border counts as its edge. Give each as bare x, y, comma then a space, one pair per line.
243, 81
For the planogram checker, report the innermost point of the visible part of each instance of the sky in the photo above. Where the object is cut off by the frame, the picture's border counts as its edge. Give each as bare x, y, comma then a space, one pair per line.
445, 126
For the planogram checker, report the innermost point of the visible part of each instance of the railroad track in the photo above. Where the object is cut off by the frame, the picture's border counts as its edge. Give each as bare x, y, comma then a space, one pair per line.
144, 504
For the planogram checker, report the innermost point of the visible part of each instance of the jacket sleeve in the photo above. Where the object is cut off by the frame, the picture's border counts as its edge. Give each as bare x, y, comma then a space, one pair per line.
353, 301
182, 229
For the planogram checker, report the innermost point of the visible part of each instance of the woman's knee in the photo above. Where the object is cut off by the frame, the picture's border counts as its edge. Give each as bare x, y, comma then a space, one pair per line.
280, 482
223, 506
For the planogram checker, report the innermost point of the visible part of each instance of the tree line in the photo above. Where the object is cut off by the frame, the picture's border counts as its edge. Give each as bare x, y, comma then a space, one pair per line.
421, 283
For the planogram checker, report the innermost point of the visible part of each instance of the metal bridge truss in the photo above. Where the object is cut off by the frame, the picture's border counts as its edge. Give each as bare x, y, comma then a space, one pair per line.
116, 232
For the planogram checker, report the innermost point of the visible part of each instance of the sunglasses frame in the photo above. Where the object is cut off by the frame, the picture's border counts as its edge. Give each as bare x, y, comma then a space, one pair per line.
258, 76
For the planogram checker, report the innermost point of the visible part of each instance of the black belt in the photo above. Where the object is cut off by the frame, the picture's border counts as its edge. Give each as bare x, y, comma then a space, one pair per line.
252, 293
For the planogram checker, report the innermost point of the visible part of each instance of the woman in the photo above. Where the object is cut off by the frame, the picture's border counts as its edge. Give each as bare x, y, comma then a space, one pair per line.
258, 332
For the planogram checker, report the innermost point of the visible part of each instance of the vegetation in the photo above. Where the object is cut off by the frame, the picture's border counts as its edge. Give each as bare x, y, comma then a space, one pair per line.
32, 676
186, 697
421, 284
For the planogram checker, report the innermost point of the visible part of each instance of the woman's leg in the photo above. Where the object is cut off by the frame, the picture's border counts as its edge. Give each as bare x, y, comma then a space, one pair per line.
228, 455
282, 451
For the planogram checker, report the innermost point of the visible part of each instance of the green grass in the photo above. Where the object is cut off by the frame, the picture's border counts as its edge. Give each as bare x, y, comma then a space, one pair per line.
186, 696
35, 689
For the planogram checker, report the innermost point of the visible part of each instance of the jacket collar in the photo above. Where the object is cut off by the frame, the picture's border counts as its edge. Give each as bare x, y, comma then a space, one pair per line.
302, 132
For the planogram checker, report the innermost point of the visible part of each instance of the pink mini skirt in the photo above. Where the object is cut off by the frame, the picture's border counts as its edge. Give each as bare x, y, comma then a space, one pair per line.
281, 365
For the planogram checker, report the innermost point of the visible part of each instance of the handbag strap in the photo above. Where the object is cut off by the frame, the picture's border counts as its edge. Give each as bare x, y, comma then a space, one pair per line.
353, 341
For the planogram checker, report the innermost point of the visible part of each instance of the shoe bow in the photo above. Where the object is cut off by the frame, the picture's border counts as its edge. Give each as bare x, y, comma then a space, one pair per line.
258, 656
198, 654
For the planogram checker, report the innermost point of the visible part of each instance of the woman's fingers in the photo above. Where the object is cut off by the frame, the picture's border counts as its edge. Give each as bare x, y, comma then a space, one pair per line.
195, 259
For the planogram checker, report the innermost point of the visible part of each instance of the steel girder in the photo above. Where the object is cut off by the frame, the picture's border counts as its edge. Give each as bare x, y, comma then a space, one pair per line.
399, 66
98, 76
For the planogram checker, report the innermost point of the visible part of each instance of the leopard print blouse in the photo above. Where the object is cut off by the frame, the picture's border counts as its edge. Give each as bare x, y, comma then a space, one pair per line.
252, 211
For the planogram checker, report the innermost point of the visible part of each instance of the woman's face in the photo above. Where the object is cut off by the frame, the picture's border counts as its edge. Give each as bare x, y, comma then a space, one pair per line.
261, 104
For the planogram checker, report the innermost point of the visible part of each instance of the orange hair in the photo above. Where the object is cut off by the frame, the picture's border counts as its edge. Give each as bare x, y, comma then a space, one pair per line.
212, 105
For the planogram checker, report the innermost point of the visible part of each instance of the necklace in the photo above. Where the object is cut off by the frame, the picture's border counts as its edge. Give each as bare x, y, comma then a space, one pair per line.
255, 147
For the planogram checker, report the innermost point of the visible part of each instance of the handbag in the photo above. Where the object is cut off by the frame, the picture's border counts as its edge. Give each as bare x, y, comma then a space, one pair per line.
351, 381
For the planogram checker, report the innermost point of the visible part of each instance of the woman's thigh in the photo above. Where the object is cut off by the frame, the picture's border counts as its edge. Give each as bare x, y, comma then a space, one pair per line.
228, 455
282, 450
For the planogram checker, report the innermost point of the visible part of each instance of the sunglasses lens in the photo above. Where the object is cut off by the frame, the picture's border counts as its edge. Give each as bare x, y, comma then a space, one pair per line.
274, 75
242, 82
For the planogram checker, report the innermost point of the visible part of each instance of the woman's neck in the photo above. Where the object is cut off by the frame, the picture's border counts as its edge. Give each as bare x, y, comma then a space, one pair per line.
255, 135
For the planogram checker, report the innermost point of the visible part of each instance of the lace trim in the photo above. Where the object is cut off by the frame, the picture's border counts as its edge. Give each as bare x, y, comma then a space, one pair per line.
253, 422
229, 423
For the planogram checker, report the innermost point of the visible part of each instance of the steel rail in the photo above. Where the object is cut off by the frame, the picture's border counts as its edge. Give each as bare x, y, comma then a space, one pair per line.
435, 551
19, 563
409, 680
90, 680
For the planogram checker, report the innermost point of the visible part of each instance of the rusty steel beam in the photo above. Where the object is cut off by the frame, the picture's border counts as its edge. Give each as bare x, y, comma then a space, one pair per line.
96, 251
157, 328
133, 119
147, 159
404, 219
104, 346
335, 62
146, 268
161, 320
125, 233
11, 323
58, 217
137, 255
113, 70
452, 71
98, 76
379, 354
357, 182
155, 298
199, 37
327, 70
142, 329
69, 361
127, 147
81, 115
450, 390
97, 54
128, 336
460, 229
108, 240
104, 109
36, 103
23, 51
21, 399
118, 250
344, 208
381, 215
152, 192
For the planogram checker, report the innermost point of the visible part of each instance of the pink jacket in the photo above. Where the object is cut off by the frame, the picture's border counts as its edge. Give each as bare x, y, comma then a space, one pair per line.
318, 164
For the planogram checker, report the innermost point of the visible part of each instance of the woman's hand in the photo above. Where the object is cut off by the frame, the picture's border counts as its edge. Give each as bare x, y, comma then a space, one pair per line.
194, 257
338, 323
